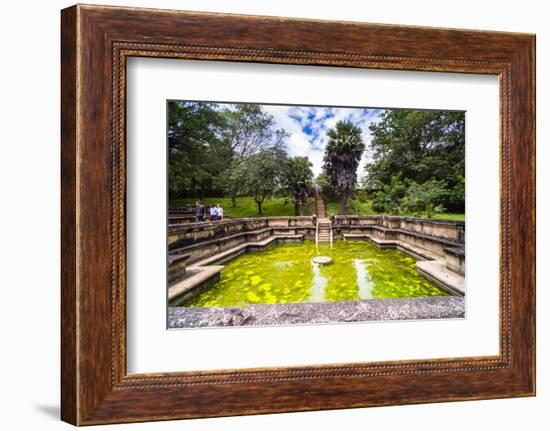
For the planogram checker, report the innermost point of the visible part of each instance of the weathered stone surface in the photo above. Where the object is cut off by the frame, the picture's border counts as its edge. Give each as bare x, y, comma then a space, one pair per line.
436, 307
177, 267
437, 272
203, 240
196, 276
451, 230
322, 260
455, 259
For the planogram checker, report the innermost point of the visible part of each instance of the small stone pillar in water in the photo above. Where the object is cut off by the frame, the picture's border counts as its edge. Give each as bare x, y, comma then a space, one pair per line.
322, 260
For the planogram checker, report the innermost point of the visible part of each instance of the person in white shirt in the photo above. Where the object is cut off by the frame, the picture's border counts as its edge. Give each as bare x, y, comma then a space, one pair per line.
213, 212
219, 212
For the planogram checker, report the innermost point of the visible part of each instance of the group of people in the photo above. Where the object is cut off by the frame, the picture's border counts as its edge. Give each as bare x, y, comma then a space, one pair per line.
216, 212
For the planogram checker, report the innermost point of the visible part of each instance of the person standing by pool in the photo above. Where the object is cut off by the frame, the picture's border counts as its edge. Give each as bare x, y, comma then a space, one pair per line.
220, 212
213, 212
200, 210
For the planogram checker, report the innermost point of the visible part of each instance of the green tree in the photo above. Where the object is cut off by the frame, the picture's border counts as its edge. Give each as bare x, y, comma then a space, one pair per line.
342, 155
419, 146
388, 198
297, 181
261, 174
208, 142
249, 130
195, 147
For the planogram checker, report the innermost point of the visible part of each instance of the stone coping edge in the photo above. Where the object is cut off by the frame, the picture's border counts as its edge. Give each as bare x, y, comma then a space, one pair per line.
369, 310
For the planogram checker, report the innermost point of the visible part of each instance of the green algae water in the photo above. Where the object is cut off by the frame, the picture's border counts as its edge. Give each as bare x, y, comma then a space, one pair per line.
284, 273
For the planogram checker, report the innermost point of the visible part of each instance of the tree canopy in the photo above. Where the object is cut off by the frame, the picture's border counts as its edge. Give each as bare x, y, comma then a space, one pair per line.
196, 149
231, 150
415, 160
420, 150
208, 141
261, 175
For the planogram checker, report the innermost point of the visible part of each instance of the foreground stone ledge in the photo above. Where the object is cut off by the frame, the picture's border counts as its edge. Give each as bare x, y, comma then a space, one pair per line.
435, 307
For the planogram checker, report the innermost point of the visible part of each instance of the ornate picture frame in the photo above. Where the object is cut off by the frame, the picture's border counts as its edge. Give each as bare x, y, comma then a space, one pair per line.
96, 41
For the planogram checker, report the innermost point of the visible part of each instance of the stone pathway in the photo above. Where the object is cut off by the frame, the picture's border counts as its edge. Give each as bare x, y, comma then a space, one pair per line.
319, 204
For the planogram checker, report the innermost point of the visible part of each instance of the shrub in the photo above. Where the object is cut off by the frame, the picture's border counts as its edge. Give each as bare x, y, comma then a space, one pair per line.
426, 198
388, 200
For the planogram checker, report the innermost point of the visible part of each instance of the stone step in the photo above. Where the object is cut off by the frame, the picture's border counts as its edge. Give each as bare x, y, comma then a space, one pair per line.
437, 272
199, 275
242, 247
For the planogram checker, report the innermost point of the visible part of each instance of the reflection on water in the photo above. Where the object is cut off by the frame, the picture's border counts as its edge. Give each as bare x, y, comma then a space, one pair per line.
317, 293
284, 273
363, 283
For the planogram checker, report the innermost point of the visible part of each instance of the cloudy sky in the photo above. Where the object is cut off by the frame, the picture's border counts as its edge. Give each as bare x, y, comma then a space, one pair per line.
308, 128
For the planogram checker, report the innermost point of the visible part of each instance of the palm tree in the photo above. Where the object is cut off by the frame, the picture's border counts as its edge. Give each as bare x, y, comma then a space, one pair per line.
342, 155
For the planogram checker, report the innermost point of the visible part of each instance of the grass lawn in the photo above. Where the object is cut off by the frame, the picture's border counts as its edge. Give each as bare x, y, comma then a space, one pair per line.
449, 216
354, 207
246, 207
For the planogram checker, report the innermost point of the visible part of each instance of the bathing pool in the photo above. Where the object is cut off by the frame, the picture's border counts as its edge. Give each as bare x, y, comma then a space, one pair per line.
283, 273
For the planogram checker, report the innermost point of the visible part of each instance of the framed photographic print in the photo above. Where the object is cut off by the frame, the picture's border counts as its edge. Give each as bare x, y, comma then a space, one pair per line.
321, 214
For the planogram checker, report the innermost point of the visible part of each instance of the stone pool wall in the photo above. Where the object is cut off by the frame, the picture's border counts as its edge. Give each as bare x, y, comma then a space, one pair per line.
443, 238
435, 236
202, 240
443, 229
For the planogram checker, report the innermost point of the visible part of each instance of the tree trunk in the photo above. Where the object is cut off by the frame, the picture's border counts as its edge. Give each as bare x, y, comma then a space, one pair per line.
297, 208
343, 204
259, 201
233, 202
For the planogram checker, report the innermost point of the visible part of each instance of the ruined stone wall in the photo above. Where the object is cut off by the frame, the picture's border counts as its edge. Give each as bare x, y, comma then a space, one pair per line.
202, 240
194, 233
446, 229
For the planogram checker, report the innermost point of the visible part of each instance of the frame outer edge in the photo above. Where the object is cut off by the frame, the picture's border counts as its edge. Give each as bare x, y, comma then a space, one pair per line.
529, 62
523, 216
87, 397
69, 201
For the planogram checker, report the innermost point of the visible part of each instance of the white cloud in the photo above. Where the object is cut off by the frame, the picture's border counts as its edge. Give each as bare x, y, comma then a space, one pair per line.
308, 127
